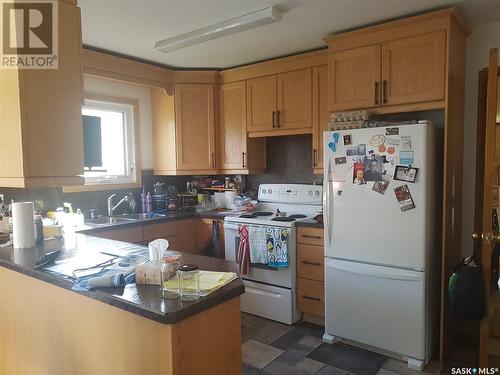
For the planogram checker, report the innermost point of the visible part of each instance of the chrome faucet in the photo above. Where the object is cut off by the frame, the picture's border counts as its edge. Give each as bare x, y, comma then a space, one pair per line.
112, 208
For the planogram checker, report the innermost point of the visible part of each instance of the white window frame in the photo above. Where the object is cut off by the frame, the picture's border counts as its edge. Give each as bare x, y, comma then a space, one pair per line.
132, 178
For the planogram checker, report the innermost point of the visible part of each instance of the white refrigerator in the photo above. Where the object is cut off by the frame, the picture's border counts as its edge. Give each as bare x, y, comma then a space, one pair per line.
381, 214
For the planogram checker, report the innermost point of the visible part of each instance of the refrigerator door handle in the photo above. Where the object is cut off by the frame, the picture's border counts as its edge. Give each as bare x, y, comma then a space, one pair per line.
375, 271
327, 203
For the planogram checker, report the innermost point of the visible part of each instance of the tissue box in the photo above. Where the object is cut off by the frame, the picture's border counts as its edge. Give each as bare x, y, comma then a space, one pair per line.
148, 273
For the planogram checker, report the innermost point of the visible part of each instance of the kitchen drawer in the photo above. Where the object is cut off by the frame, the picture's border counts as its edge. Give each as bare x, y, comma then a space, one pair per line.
160, 230
310, 236
310, 262
311, 296
131, 234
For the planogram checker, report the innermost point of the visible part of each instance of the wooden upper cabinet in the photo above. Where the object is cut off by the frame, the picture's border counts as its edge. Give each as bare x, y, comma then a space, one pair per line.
294, 99
238, 153
41, 141
261, 103
195, 127
354, 78
232, 123
413, 69
320, 114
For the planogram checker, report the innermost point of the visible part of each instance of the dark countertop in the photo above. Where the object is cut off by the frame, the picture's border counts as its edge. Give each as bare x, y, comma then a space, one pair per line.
143, 300
173, 216
309, 223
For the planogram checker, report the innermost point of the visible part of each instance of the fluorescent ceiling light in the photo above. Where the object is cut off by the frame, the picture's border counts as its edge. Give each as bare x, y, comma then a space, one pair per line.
232, 26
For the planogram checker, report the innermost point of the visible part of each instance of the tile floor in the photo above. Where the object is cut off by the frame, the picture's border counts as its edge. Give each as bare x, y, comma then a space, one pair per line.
271, 348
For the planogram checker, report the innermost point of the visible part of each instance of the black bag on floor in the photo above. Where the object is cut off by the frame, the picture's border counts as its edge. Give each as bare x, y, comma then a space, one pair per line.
466, 290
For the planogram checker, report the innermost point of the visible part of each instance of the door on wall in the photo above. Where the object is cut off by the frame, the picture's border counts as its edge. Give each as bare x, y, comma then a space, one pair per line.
487, 203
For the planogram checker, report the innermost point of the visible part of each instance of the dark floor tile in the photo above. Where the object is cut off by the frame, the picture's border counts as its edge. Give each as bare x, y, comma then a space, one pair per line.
310, 366
248, 320
310, 329
293, 356
249, 370
265, 331
280, 368
348, 358
330, 370
257, 354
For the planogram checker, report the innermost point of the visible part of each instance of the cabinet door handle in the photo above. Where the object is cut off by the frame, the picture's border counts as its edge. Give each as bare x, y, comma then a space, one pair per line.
311, 263
243, 154
384, 89
376, 92
315, 153
213, 159
274, 119
310, 236
279, 119
312, 298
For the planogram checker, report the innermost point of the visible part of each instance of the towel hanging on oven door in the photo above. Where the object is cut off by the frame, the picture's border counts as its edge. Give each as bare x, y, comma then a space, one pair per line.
277, 247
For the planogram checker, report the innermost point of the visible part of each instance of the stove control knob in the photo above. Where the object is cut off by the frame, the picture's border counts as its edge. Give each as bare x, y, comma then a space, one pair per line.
264, 191
270, 191
310, 192
316, 193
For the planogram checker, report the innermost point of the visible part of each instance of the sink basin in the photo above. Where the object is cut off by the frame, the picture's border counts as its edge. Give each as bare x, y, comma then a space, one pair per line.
126, 218
140, 216
109, 220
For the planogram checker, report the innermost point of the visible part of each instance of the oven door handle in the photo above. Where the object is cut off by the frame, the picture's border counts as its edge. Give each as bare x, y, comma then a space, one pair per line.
231, 226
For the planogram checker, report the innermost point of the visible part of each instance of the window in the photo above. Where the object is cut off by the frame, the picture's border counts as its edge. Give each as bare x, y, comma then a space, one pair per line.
110, 141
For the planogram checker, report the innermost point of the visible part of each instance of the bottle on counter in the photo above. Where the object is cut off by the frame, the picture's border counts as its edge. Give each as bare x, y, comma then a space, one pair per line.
132, 204
144, 205
38, 229
149, 202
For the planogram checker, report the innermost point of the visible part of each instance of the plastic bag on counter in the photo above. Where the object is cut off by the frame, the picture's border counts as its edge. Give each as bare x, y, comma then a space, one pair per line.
244, 205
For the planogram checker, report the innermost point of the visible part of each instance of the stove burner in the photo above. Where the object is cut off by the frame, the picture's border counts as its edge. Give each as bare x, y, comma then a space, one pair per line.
297, 216
262, 213
283, 218
248, 216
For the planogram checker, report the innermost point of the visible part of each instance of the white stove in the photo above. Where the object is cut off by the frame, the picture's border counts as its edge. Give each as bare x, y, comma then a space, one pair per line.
294, 202
270, 292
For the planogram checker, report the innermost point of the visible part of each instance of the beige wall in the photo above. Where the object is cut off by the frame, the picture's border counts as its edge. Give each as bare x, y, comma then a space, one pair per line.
126, 90
482, 38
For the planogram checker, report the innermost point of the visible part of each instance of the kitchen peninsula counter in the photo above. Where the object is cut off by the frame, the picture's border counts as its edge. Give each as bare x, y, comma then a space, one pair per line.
48, 328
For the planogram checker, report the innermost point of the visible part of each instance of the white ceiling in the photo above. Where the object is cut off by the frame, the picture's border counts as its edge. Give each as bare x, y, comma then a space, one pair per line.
132, 27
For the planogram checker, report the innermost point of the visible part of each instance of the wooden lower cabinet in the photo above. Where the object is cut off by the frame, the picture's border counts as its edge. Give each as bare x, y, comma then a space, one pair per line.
310, 262
188, 235
311, 297
310, 271
204, 232
130, 234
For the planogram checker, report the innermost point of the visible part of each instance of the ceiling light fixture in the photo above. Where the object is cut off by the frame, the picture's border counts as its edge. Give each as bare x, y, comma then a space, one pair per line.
232, 26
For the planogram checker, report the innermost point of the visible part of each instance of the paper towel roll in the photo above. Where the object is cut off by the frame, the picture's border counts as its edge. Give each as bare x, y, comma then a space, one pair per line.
23, 229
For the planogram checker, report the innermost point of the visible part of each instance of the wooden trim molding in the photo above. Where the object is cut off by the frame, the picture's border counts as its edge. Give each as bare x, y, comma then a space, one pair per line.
399, 29
137, 148
104, 65
282, 65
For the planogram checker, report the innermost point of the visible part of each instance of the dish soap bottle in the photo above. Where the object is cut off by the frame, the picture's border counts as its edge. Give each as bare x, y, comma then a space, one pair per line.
144, 205
149, 202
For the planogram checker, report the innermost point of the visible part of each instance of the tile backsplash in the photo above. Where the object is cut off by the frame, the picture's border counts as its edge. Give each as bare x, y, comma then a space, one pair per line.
51, 198
289, 160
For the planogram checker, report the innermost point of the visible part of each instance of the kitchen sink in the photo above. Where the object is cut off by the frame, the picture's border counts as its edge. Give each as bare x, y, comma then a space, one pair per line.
105, 220
140, 216
126, 218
